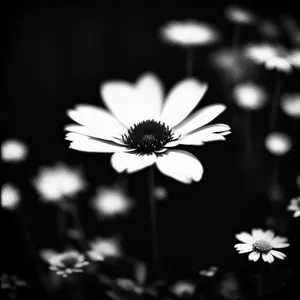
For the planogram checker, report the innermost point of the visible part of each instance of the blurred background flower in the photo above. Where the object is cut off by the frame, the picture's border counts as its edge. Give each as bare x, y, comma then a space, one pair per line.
10, 196
58, 182
13, 151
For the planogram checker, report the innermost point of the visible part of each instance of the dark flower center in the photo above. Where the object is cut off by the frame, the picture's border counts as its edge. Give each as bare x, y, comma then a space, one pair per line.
148, 136
69, 261
262, 246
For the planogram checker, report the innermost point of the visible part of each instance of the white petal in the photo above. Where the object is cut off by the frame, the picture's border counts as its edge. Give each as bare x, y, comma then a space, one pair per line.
199, 139
96, 119
258, 234
180, 165
181, 100
244, 250
83, 143
243, 246
200, 118
254, 256
245, 238
121, 98
94, 132
279, 240
207, 134
280, 245
267, 257
278, 254
150, 96
131, 162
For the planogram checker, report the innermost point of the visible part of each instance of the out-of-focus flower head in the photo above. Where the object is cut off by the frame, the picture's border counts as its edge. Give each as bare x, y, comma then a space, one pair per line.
10, 196
240, 15
290, 104
127, 288
189, 33
232, 65
268, 29
210, 272
10, 285
13, 151
102, 248
249, 95
278, 143
261, 244
183, 289
273, 57
111, 202
229, 287
160, 193
66, 263
143, 130
295, 206
58, 182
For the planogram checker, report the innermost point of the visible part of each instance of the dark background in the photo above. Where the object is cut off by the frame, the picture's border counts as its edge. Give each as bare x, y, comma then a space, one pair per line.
57, 56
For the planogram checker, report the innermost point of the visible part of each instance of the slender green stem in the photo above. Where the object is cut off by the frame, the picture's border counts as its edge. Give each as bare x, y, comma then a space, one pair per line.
153, 219
189, 58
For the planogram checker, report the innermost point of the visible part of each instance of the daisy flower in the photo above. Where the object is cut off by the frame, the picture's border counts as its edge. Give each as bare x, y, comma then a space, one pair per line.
183, 289
290, 104
278, 143
141, 130
261, 243
274, 57
13, 151
102, 248
189, 33
58, 182
295, 207
210, 272
239, 15
249, 96
10, 197
67, 263
111, 202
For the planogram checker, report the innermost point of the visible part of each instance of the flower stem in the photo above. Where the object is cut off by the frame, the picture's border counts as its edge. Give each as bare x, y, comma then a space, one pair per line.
153, 219
260, 280
236, 38
275, 101
78, 225
189, 57
248, 135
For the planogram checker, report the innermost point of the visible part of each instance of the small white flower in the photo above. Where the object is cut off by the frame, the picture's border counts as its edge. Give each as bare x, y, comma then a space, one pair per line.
273, 57
160, 193
183, 288
295, 207
57, 182
102, 248
10, 196
239, 15
67, 263
13, 151
210, 272
249, 95
290, 104
261, 243
278, 143
142, 129
111, 202
189, 33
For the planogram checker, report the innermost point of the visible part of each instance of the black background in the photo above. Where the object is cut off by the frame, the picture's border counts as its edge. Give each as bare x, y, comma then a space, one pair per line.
57, 56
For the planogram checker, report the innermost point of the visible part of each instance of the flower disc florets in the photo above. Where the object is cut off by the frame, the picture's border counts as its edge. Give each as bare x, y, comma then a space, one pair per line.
148, 136
262, 246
